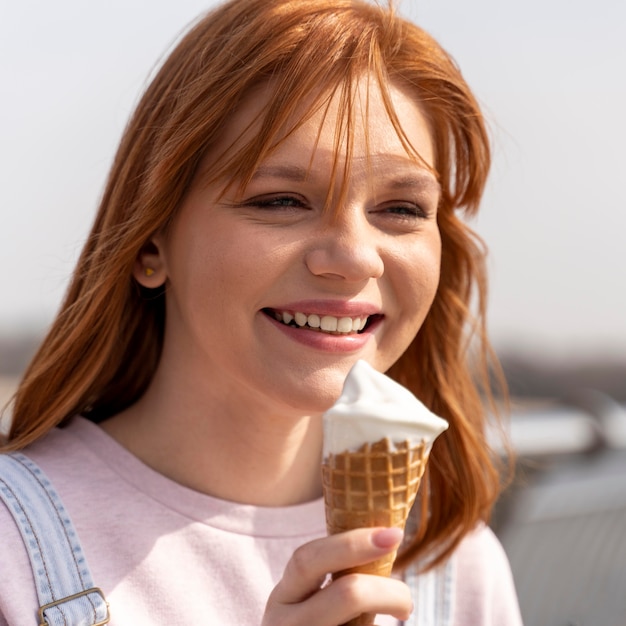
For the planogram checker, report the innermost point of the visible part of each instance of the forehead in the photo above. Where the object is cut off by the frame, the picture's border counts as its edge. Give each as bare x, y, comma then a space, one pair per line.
360, 127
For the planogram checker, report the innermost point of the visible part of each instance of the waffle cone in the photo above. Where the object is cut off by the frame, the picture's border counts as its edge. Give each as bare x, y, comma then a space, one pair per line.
374, 486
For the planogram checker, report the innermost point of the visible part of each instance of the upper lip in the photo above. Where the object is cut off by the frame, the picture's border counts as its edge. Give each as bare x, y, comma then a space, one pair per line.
336, 308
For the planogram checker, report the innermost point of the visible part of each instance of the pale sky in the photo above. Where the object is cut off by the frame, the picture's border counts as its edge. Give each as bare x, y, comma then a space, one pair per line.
551, 75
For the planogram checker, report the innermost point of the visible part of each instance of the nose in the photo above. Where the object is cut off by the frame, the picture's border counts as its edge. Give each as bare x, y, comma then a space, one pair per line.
346, 247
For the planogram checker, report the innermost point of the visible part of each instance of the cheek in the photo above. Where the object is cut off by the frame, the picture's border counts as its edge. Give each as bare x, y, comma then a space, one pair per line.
416, 286
200, 251
421, 269
431, 273
432, 262
218, 268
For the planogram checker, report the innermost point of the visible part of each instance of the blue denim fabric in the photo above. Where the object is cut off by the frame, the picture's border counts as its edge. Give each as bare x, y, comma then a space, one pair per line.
59, 565
433, 595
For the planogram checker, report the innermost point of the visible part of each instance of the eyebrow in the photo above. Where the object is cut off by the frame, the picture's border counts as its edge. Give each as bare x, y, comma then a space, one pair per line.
419, 178
287, 172
425, 180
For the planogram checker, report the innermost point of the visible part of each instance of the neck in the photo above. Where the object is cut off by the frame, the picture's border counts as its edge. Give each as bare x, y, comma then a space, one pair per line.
227, 450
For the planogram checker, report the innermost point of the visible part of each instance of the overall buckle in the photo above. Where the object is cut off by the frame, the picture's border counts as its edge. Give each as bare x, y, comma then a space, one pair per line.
80, 594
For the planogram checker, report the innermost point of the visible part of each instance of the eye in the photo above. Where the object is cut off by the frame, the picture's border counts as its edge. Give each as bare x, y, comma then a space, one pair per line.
405, 210
282, 201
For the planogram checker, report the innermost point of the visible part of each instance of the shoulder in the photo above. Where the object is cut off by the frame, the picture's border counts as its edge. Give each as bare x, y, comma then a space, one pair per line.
481, 549
18, 598
70, 467
74, 458
485, 591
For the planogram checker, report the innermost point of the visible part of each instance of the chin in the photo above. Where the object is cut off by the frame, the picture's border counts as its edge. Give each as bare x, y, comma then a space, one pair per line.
317, 392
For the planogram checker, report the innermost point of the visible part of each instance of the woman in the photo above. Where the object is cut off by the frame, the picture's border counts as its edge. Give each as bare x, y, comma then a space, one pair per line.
283, 202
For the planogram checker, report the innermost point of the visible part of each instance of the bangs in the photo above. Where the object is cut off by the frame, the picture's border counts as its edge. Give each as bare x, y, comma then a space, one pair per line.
324, 69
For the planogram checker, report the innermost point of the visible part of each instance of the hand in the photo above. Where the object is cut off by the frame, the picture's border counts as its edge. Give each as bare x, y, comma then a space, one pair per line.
301, 598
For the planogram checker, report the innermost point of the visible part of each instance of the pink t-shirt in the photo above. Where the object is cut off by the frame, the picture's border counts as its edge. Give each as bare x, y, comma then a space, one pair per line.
164, 554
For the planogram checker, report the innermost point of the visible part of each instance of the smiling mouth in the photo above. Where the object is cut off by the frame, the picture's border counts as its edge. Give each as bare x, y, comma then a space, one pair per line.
324, 323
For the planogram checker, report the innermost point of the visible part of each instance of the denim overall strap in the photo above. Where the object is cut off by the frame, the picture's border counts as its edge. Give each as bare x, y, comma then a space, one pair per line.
433, 594
66, 592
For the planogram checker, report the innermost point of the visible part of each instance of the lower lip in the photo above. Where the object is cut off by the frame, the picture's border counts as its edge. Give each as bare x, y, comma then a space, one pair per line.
324, 341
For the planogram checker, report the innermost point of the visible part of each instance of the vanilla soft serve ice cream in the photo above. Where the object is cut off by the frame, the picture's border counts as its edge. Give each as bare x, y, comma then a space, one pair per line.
377, 441
372, 407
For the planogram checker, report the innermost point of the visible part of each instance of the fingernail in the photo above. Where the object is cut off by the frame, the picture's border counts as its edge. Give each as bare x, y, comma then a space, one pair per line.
387, 537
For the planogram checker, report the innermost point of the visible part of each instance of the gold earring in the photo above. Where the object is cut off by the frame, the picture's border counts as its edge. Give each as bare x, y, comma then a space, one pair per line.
149, 271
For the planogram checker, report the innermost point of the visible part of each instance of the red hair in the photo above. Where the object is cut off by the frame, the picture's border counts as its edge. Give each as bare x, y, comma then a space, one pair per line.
103, 348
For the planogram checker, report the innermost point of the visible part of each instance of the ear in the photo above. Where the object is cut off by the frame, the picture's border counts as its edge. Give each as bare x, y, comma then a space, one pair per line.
149, 268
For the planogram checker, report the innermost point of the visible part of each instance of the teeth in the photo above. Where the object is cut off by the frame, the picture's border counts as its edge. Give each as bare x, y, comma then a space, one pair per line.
314, 321
344, 325
327, 323
358, 323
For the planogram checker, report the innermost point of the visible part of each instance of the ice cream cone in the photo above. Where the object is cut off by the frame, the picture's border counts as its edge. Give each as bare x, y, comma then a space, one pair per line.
377, 439
373, 486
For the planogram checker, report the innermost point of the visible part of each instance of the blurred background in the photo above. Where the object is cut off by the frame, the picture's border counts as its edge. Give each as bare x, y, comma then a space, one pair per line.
551, 78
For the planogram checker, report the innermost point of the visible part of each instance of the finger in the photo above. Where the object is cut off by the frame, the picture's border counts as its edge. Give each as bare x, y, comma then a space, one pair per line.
352, 595
347, 598
307, 568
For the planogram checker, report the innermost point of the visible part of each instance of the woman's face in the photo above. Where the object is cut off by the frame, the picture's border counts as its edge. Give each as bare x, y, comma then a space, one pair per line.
273, 299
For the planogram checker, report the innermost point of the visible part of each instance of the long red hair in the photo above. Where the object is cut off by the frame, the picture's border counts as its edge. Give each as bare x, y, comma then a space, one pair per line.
104, 345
